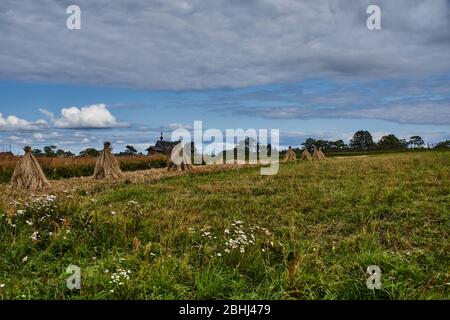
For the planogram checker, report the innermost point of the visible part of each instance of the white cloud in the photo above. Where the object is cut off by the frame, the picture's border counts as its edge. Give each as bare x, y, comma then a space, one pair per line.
41, 137
14, 123
174, 126
38, 136
94, 116
437, 113
422, 113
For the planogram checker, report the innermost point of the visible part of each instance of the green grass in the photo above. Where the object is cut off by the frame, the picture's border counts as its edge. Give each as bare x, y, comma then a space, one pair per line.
317, 226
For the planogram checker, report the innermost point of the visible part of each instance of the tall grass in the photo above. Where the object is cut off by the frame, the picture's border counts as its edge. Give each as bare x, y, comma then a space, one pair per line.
63, 168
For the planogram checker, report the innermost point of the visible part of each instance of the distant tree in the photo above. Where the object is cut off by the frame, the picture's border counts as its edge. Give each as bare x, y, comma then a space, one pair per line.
37, 152
309, 144
391, 142
362, 141
49, 151
416, 142
60, 153
404, 143
336, 145
322, 144
90, 152
248, 145
130, 150
443, 145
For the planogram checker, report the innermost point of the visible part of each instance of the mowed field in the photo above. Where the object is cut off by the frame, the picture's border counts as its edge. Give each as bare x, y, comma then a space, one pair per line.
309, 232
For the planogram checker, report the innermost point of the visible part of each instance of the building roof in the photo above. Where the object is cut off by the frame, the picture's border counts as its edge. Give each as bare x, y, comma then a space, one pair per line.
163, 146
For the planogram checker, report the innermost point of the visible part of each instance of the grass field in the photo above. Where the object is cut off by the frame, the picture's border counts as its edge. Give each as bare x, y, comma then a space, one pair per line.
308, 232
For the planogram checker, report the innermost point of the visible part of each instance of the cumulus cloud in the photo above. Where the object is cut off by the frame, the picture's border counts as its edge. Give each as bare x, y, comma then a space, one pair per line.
95, 116
198, 44
14, 123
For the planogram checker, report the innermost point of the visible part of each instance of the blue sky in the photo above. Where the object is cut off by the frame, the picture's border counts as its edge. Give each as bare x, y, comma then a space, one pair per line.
310, 69
142, 114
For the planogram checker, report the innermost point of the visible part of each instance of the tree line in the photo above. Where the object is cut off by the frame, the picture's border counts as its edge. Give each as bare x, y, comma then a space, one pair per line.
362, 141
55, 152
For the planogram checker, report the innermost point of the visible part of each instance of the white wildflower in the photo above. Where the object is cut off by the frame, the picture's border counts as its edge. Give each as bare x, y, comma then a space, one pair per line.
35, 236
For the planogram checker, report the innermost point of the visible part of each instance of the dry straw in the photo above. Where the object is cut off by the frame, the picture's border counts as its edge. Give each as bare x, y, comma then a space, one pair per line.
318, 154
28, 174
306, 155
107, 166
290, 155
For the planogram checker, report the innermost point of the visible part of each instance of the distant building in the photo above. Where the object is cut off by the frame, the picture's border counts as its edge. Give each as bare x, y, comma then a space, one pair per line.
161, 147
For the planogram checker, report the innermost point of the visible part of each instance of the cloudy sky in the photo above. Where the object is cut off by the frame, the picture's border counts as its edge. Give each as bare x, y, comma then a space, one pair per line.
138, 67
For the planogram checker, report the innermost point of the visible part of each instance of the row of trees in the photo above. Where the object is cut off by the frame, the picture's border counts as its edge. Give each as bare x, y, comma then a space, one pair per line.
54, 152
363, 141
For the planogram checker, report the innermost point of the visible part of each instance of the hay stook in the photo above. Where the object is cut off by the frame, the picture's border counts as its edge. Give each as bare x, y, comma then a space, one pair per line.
306, 155
28, 174
107, 166
290, 155
318, 154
